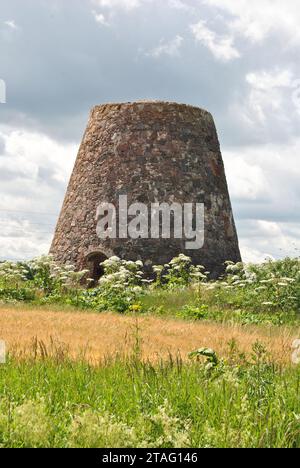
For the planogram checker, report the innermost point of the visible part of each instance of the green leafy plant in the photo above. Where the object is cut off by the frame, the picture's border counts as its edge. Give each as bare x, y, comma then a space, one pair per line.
208, 353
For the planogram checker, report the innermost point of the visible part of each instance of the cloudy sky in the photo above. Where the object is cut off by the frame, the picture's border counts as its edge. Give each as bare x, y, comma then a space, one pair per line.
236, 58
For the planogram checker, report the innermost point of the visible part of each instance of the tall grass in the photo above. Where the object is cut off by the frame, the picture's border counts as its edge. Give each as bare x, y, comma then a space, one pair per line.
243, 402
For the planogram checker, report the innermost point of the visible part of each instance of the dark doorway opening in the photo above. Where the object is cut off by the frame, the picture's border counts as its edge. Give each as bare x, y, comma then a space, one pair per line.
93, 262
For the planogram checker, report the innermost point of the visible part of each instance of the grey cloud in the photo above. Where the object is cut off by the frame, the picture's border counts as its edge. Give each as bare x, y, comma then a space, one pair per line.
8, 175
60, 62
47, 175
269, 212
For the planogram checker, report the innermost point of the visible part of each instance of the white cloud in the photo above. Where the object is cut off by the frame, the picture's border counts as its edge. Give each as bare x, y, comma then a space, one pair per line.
107, 9
272, 100
180, 5
265, 79
124, 4
133, 4
251, 255
263, 186
34, 171
267, 94
171, 48
263, 239
11, 24
265, 173
100, 18
257, 19
220, 46
25, 148
247, 180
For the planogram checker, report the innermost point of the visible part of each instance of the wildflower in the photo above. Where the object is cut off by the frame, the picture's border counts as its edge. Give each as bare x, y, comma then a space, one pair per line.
135, 308
171, 431
31, 426
95, 430
267, 281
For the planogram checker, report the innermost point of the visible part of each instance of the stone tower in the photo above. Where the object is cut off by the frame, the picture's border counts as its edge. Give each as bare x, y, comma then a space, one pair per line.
152, 152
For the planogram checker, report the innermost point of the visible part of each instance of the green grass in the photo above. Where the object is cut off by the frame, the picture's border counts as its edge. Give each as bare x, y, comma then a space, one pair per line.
165, 302
28, 306
200, 304
131, 404
243, 402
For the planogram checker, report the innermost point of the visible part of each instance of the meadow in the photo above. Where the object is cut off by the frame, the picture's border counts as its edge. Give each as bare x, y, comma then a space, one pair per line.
178, 360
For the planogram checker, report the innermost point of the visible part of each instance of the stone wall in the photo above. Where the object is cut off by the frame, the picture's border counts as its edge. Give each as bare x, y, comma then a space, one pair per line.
153, 152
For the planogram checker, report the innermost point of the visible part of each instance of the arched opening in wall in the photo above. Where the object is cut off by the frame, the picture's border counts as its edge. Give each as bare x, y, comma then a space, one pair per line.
93, 264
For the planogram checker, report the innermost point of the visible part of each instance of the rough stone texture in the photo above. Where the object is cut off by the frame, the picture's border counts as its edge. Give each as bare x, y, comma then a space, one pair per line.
153, 152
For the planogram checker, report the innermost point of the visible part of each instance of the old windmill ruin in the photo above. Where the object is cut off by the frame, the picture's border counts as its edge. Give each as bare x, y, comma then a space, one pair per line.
150, 152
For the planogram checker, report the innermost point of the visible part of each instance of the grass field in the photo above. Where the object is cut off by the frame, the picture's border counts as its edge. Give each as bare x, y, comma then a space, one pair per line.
183, 362
56, 402
77, 379
95, 336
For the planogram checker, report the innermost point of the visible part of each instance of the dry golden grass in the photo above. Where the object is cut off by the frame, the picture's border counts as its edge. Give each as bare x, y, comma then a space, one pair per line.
98, 335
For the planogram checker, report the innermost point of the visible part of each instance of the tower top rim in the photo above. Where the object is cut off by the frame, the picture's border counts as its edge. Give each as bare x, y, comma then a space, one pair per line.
165, 104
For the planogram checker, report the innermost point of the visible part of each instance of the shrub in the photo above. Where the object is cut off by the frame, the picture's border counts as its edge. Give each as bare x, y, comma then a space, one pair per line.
118, 288
179, 272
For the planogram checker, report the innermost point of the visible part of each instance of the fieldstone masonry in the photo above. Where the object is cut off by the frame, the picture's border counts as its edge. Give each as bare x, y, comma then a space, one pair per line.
152, 152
